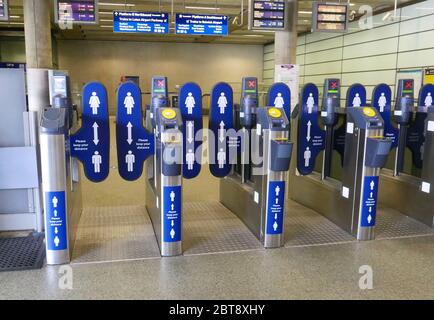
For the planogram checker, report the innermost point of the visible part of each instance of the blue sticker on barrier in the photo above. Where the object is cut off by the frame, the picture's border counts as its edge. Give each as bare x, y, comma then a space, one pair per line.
190, 104
356, 96
91, 144
426, 96
311, 139
220, 122
135, 144
279, 96
56, 232
382, 101
275, 207
369, 201
172, 215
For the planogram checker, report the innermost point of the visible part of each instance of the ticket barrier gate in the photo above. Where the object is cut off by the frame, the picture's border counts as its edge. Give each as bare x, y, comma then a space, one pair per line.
412, 194
255, 192
59, 150
351, 203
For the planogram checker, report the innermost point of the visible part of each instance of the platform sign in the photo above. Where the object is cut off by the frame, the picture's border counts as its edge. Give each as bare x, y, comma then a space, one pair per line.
190, 104
76, 11
55, 221
201, 24
279, 96
382, 101
275, 207
172, 223
330, 17
4, 10
267, 15
91, 144
311, 139
220, 122
135, 143
369, 201
140, 22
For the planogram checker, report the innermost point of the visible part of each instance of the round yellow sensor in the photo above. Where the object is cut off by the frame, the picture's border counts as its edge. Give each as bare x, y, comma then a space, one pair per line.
369, 112
169, 114
274, 113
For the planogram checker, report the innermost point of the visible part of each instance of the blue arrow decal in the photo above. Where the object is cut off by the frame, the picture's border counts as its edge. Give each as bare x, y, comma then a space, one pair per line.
135, 143
190, 104
91, 144
279, 96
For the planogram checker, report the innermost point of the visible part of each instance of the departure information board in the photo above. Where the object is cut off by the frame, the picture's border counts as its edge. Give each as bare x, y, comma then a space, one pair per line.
4, 12
77, 11
329, 17
201, 24
140, 22
267, 15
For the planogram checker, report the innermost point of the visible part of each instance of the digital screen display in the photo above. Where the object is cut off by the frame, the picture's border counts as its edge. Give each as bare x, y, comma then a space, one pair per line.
4, 12
267, 15
333, 86
408, 87
251, 86
79, 11
159, 86
140, 22
200, 24
332, 17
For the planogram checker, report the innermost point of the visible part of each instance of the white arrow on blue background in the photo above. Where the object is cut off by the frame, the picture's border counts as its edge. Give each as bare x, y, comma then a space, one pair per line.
190, 131
95, 133
222, 131
130, 132
372, 185
309, 126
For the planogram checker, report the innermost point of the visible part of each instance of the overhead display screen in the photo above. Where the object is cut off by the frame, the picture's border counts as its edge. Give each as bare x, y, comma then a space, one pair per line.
329, 17
140, 22
77, 11
201, 24
267, 15
4, 12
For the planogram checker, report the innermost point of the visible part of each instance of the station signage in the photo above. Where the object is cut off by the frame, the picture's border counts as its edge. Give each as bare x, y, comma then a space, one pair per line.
267, 15
4, 11
200, 24
330, 17
140, 22
76, 11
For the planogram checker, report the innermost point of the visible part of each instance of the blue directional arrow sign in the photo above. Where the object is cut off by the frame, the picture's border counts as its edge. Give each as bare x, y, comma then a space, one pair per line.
172, 215
220, 122
369, 201
311, 139
279, 96
190, 104
382, 101
135, 143
55, 211
275, 207
91, 144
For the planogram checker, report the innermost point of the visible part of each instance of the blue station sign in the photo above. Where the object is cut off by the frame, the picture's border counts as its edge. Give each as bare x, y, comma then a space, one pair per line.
220, 123
190, 104
135, 143
311, 140
201, 24
91, 144
140, 22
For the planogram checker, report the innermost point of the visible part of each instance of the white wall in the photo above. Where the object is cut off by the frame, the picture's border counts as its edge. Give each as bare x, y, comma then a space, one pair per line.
205, 64
366, 56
